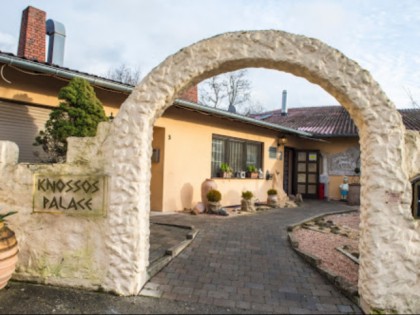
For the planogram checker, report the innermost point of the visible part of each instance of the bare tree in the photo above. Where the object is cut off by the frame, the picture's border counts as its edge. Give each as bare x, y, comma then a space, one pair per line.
413, 101
124, 74
226, 90
214, 92
252, 108
238, 88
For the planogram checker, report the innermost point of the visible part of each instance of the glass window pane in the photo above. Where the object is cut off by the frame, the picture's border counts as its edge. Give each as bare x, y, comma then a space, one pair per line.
301, 189
253, 155
301, 167
311, 189
235, 158
217, 155
301, 178
312, 167
312, 178
302, 156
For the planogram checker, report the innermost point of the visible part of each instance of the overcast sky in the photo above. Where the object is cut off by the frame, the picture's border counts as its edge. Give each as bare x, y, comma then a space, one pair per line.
383, 36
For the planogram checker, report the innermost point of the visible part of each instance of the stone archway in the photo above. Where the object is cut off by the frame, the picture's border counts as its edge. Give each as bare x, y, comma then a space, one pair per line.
389, 235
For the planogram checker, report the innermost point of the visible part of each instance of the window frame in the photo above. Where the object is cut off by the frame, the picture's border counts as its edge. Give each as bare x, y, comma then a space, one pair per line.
415, 203
226, 153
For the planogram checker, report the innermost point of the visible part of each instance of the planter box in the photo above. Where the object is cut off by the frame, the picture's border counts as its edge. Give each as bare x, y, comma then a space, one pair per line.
225, 174
353, 198
252, 175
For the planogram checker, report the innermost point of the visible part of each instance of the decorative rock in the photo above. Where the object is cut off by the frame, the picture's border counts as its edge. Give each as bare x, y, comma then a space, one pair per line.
199, 208
213, 207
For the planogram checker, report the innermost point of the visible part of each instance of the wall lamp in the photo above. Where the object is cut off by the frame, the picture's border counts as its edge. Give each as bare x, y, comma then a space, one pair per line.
281, 141
111, 117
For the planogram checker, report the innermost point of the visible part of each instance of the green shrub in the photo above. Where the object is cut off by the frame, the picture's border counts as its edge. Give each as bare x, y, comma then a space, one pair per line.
247, 195
251, 168
224, 167
272, 192
78, 115
214, 195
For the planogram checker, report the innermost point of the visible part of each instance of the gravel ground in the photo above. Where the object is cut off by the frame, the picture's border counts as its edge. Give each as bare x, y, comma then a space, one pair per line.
323, 246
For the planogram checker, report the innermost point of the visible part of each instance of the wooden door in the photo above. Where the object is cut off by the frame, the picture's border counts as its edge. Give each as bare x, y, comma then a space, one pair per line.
307, 173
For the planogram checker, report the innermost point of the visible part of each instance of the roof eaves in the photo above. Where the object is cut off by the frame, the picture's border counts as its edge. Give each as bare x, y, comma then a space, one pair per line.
54, 70
225, 114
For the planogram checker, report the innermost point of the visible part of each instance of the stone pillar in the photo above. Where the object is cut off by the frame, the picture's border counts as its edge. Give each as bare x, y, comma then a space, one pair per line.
9, 153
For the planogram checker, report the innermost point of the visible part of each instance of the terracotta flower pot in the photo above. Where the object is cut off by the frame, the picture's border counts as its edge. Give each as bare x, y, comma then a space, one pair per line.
206, 186
8, 254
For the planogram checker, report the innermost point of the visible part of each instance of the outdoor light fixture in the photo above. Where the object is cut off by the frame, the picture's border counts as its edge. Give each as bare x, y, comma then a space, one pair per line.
111, 117
281, 141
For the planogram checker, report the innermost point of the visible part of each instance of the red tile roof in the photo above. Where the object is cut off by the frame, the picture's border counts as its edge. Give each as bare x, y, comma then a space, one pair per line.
329, 121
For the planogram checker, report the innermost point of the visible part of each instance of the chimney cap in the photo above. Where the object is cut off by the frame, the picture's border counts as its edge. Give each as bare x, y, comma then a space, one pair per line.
55, 27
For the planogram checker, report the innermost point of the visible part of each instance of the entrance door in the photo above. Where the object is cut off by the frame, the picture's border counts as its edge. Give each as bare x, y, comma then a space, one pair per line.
307, 172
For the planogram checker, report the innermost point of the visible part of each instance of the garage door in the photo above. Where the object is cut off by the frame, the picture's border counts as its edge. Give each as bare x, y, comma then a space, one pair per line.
21, 123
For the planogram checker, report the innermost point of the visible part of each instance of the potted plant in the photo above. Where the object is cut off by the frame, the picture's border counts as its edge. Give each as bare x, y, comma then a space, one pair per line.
251, 171
247, 203
225, 170
213, 205
8, 250
272, 197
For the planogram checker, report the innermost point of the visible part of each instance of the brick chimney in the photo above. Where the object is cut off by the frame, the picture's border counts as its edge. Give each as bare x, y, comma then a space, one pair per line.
32, 34
190, 95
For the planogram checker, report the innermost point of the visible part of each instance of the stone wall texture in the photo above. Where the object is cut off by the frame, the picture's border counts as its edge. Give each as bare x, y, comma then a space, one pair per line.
389, 244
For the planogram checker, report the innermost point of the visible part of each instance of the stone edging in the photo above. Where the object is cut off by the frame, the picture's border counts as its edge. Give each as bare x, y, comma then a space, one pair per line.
348, 289
172, 252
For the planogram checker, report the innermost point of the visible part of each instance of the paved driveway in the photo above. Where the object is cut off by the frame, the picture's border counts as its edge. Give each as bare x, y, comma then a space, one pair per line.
245, 262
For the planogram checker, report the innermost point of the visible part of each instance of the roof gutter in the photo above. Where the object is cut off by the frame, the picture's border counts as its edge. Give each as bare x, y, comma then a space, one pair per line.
68, 74
248, 120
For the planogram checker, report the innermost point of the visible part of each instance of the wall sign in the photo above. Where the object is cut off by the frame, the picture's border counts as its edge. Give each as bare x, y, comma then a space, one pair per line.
272, 152
344, 163
70, 194
393, 197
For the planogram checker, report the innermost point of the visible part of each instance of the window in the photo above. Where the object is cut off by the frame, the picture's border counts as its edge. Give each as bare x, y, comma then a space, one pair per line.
416, 197
238, 153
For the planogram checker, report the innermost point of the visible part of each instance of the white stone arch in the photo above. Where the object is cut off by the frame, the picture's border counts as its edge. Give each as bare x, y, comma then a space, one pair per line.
389, 235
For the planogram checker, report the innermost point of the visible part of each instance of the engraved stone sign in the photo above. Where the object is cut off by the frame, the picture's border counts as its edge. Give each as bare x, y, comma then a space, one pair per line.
70, 194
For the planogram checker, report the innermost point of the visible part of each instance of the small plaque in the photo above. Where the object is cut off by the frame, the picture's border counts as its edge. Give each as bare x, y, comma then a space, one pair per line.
393, 197
313, 157
70, 194
272, 152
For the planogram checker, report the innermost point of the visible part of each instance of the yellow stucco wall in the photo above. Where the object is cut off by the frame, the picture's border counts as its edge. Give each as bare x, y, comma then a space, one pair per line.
43, 90
187, 159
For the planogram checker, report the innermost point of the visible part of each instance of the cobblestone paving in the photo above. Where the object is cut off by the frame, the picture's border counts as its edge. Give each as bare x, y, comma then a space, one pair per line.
246, 263
163, 237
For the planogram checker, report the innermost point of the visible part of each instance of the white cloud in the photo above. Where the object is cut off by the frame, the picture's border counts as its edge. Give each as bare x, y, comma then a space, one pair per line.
8, 42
